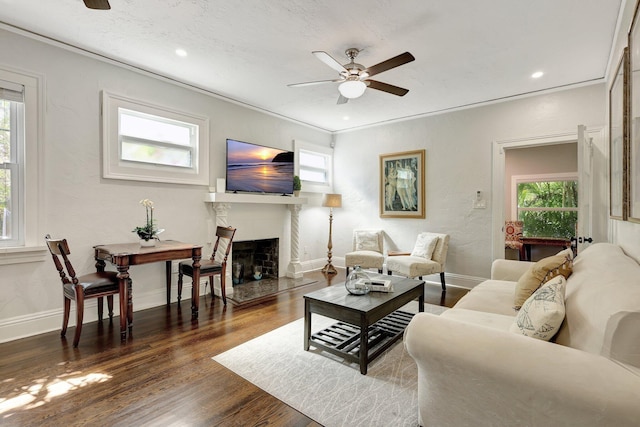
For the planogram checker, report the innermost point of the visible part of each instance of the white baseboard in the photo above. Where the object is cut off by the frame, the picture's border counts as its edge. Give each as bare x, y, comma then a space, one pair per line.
47, 321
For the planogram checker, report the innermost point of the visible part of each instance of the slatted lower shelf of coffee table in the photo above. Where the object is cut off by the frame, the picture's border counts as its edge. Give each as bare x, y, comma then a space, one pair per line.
343, 339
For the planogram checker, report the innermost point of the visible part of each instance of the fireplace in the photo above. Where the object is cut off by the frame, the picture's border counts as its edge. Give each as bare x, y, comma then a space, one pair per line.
254, 260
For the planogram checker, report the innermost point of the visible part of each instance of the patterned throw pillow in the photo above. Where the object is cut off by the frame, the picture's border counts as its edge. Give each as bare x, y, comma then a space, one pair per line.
425, 245
538, 274
543, 312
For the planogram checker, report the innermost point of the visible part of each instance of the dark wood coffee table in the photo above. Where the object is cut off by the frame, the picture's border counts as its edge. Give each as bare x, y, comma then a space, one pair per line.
368, 324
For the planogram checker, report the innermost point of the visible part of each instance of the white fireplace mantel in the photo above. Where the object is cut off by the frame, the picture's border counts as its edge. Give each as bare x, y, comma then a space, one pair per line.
254, 198
222, 203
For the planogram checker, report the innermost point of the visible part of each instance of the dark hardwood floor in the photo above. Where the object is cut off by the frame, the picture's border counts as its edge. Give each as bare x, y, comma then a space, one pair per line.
163, 375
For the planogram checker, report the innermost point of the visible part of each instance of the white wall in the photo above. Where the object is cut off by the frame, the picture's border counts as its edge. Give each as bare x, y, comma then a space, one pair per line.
624, 233
88, 210
458, 162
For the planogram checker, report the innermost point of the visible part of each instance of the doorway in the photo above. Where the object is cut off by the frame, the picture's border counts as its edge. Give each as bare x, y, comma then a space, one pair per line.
502, 204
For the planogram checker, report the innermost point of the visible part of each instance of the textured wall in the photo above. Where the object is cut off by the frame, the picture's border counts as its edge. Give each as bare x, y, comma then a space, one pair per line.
458, 162
88, 210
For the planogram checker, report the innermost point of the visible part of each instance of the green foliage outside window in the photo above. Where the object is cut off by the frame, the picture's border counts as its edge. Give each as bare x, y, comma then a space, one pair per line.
548, 208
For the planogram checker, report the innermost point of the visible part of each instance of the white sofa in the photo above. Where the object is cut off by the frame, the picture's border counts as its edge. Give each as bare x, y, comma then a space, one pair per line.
472, 371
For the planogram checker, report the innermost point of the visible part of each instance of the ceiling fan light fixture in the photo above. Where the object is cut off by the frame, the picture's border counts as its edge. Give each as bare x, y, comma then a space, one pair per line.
352, 88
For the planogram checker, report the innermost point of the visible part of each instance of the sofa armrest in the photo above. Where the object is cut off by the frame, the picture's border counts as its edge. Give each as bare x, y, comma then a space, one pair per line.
474, 375
508, 269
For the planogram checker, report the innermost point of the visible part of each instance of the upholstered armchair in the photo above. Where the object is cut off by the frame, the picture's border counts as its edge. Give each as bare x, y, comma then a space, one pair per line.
428, 257
367, 250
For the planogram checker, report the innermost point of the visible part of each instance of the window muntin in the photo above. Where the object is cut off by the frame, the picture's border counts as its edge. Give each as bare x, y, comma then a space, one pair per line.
548, 208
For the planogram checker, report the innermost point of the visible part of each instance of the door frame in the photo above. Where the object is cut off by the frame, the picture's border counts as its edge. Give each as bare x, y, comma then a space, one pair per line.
498, 177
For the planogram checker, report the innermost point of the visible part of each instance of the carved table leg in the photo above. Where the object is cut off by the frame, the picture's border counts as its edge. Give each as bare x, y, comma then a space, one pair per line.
195, 289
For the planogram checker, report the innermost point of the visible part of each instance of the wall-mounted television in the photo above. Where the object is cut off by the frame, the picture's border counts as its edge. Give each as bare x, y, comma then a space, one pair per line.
253, 168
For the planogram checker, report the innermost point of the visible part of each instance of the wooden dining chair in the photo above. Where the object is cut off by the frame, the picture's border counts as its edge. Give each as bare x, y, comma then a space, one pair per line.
92, 285
211, 267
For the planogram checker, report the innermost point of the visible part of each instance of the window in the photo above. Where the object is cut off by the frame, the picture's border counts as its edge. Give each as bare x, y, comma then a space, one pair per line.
150, 143
20, 163
314, 166
11, 167
547, 205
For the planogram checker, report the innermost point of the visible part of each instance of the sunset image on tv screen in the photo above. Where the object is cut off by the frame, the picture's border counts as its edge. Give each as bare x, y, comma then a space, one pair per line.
258, 169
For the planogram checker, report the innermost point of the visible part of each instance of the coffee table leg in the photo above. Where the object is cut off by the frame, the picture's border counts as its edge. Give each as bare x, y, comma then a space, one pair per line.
307, 325
364, 349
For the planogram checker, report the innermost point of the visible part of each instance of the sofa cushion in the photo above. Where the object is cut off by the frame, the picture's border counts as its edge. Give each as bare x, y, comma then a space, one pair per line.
602, 304
491, 296
500, 322
538, 274
425, 244
543, 312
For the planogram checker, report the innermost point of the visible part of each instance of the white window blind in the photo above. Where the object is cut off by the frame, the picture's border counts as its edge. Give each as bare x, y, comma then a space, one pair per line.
11, 91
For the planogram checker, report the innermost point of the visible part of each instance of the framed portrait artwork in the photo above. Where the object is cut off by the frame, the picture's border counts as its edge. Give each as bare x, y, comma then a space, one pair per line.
618, 140
402, 185
633, 212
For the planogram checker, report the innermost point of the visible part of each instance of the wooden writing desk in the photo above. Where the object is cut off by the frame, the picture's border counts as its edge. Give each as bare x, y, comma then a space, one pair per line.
123, 255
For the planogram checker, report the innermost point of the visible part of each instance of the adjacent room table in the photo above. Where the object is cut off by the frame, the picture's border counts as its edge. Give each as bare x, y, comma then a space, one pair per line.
543, 241
123, 255
369, 324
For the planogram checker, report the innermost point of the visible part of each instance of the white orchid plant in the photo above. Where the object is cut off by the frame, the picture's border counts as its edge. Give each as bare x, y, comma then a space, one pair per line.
148, 231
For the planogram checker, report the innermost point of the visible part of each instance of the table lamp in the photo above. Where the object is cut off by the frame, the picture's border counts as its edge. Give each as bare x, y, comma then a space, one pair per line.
331, 201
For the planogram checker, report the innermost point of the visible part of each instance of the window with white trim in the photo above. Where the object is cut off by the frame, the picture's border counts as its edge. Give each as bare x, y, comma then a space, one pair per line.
150, 143
11, 163
314, 166
21, 215
547, 204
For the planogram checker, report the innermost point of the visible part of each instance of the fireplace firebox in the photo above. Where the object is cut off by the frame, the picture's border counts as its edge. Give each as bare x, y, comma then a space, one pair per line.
254, 260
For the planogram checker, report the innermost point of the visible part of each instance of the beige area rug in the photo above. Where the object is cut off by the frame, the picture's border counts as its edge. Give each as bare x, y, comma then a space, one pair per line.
326, 388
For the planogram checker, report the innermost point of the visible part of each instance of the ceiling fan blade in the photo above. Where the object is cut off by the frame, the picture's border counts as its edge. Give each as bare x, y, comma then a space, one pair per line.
97, 4
385, 87
394, 62
342, 100
328, 59
318, 82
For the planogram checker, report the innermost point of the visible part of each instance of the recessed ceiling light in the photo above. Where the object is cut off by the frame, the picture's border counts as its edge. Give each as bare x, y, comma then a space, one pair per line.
181, 52
537, 75
345, 118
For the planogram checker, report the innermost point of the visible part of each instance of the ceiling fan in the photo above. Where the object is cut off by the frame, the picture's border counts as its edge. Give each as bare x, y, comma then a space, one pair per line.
354, 78
97, 4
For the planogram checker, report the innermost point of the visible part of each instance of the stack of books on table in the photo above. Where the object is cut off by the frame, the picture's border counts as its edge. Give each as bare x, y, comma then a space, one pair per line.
377, 285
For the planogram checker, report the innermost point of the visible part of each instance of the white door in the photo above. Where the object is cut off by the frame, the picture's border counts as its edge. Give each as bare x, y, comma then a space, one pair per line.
585, 192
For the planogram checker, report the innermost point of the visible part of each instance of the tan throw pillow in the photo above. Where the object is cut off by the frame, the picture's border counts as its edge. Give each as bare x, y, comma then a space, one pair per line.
568, 253
538, 274
425, 245
543, 312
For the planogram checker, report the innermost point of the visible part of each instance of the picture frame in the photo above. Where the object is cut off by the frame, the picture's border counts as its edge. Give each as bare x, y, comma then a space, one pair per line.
619, 140
633, 152
402, 184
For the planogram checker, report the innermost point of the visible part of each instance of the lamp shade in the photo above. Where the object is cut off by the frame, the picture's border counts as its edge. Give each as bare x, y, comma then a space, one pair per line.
332, 200
352, 88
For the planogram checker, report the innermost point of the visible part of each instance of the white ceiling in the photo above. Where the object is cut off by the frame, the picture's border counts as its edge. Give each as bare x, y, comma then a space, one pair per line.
467, 51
